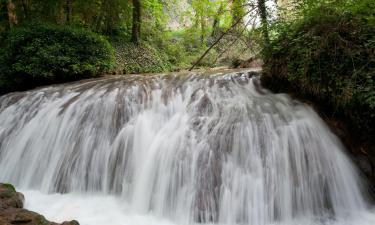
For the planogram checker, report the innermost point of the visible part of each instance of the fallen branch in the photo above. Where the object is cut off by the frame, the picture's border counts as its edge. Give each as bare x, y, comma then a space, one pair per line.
233, 42
217, 41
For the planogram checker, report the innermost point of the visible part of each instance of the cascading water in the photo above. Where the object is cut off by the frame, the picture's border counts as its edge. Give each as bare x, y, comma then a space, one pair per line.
189, 148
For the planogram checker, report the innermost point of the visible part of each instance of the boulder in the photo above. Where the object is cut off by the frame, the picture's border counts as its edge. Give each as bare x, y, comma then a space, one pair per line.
10, 198
12, 212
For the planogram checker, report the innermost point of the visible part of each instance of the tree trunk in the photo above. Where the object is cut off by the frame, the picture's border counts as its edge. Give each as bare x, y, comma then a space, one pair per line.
216, 23
68, 11
136, 30
12, 16
263, 19
4, 18
25, 9
203, 29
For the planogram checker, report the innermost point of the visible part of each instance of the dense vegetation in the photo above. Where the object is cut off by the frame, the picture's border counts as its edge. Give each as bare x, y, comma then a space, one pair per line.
325, 52
42, 41
41, 54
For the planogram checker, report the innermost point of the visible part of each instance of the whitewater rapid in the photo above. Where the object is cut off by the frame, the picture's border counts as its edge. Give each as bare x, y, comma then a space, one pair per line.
176, 149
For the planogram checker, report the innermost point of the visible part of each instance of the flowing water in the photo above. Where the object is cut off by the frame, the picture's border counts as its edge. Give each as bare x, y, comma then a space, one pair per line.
176, 149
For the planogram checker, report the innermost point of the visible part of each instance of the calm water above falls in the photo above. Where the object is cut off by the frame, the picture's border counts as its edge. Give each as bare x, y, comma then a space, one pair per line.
182, 149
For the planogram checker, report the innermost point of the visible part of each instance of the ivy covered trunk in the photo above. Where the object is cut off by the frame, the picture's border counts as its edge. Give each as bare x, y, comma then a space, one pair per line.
263, 18
136, 29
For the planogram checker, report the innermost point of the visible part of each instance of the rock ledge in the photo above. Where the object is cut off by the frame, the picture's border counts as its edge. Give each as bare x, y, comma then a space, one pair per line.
12, 211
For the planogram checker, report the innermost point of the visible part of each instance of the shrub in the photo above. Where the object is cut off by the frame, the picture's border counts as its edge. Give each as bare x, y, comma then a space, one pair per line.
328, 54
43, 54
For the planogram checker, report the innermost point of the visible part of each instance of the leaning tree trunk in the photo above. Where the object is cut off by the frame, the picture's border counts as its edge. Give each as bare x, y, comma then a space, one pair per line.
136, 30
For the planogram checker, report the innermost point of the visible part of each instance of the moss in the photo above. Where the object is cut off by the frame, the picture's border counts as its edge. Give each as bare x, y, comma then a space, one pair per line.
74, 222
9, 191
40, 220
9, 187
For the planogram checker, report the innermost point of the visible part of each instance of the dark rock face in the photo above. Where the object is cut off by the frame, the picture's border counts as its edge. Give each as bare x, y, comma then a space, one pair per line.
361, 151
12, 212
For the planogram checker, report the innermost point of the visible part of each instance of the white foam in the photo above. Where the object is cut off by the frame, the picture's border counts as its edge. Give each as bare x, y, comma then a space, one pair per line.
87, 209
94, 209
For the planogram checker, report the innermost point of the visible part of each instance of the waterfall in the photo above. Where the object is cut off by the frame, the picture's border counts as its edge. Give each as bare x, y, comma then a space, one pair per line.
190, 148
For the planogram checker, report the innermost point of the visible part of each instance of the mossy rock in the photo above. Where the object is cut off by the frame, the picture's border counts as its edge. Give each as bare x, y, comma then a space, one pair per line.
12, 212
9, 197
73, 222
7, 191
9, 186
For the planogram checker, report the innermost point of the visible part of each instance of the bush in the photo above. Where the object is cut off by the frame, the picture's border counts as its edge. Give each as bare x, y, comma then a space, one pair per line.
43, 54
328, 54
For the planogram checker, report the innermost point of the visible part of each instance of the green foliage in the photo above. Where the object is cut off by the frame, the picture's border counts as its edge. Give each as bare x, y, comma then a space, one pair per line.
142, 58
238, 11
42, 54
9, 187
328, 53
182, 48
173, 35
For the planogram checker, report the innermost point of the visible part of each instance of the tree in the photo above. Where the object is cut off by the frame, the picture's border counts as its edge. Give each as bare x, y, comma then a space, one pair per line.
25, 9
4, 17
262, 9
68, 10
203, 13
136, 28
217, 17
238, 10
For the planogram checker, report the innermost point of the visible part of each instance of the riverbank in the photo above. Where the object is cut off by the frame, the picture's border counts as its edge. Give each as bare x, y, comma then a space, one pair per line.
324, 54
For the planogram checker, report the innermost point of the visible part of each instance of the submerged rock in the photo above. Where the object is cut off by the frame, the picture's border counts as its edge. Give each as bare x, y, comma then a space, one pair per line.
12, 212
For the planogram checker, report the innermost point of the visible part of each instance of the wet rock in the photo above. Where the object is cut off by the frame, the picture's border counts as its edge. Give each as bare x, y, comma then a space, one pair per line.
10, 198
205, 106
364, 164
21, 216
73, 222
12, 212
